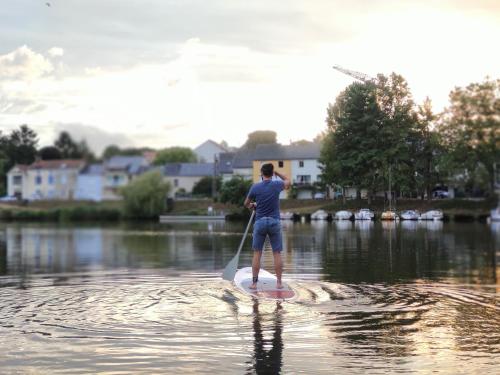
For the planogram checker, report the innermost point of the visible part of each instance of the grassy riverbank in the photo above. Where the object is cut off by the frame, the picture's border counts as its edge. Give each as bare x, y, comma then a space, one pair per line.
113, 210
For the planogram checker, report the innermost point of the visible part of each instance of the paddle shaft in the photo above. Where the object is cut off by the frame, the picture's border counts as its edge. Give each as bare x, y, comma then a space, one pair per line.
246, 232
230, 270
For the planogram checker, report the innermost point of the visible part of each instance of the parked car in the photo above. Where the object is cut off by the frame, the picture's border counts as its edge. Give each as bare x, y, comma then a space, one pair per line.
319, 195
440, 194
8, 198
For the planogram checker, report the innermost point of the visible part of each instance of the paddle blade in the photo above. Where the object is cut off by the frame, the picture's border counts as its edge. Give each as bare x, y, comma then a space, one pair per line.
231, 268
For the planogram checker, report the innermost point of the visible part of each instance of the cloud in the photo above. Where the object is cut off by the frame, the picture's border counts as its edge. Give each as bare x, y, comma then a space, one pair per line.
55, 52
24, 64
11, 104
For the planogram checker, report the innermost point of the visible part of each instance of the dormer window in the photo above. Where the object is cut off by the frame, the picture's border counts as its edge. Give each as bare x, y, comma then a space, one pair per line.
280, 164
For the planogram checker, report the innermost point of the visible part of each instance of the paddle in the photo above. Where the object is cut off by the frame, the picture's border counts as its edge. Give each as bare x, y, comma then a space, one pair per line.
232, 266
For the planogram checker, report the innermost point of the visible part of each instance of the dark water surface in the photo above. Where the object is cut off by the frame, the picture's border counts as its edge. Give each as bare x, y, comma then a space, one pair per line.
134, 298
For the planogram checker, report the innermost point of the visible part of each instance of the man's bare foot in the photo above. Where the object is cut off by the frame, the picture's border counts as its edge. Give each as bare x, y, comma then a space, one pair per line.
279, 285
253, 286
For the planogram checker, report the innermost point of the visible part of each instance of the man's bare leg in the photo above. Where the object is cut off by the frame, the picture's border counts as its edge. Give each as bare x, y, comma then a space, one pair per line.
255, 267
278, 267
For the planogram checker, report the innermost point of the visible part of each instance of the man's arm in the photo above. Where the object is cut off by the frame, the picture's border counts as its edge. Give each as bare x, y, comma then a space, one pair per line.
249, 204
285, 179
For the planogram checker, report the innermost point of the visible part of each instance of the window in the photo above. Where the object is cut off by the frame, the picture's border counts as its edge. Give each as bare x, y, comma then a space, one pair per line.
176, 183
17, 180
64, 178
301, 163
280, 164
116, 179
38, 180
304, 179
51, 179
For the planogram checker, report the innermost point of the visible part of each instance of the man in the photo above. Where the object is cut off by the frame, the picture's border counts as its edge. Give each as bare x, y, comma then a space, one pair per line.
264, 198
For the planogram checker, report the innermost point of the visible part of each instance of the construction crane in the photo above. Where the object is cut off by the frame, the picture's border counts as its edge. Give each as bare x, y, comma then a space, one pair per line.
359, 76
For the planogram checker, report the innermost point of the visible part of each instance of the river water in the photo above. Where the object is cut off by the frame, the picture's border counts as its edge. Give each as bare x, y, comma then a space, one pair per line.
148, 298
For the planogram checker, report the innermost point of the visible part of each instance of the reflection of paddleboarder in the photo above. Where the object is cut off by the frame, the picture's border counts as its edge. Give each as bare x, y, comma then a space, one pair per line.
264, 198
265, 360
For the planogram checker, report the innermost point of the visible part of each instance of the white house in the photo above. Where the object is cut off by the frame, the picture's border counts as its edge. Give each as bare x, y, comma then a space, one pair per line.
45, 179
90, 183
183, 176
208, 151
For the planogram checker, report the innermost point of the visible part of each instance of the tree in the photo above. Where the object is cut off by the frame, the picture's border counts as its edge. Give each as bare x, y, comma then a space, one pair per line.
175, 155
110, 151
49, 153
19, 147
70, 149
426, 149
204, 186
471, 130
146, 196
260, 137
369, 132
235, 190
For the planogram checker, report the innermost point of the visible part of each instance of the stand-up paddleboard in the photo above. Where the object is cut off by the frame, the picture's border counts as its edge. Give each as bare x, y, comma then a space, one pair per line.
266, 286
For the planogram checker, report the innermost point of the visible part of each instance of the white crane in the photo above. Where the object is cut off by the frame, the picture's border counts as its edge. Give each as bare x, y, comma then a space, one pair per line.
359, 76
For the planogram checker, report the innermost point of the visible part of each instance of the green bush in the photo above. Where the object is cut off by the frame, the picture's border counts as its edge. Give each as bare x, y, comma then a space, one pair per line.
235, 190
146, 196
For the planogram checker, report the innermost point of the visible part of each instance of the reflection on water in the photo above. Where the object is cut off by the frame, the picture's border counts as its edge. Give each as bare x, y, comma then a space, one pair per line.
372, 298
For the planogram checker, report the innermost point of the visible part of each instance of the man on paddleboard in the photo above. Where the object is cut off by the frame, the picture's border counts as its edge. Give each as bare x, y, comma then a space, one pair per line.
264, 198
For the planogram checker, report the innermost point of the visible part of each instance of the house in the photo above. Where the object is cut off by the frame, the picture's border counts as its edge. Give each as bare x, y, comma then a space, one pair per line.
225, 165
119, 171
299, 162
208, 151
183, 176
45, 179
90, 183
243, 163
15, 180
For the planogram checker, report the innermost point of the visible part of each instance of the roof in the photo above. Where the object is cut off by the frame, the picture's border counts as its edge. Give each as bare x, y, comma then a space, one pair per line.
188, 169
243, 158
21, 167
213, 143
226, 162
58, 164
93, 169
290, 152
131, 164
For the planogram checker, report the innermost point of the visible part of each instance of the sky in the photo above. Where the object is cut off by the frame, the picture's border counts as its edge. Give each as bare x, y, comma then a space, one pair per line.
161, 73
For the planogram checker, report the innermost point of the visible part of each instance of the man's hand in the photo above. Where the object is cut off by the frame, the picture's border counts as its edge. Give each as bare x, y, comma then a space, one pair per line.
249, 204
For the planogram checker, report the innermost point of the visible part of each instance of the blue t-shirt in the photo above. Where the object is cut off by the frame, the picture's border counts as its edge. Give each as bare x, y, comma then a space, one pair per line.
267, 196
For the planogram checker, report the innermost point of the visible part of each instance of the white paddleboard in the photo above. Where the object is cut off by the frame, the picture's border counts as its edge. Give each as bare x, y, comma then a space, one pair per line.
266, 286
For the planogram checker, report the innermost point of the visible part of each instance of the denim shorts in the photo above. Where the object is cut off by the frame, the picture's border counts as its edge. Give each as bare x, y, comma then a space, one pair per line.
267, 226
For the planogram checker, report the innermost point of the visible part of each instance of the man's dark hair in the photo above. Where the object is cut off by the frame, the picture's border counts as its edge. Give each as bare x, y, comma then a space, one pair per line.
267, 170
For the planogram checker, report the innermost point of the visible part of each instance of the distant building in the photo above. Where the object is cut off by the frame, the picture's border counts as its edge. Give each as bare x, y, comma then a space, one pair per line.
208, 151
300, 163
90, 183
225, 165
243, 163
183, 176
119, 171
45, 179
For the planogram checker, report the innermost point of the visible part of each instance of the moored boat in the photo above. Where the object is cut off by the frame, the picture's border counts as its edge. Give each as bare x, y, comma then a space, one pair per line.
319, 215
286, 215
343, 215
389, 215
410, 215
495, 214
364, 214
432, 215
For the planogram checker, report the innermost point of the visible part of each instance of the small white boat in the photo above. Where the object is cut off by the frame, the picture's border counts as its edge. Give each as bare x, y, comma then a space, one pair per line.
389, 215
410, 215
364, 214
432, 215
286, 215
343, 215
319, 215
495, 214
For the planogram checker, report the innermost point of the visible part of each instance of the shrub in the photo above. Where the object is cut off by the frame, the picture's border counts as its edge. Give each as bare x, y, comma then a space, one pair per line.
146, 196
235, 190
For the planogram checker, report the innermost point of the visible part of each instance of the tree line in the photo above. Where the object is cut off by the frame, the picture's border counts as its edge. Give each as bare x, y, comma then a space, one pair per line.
375, 129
